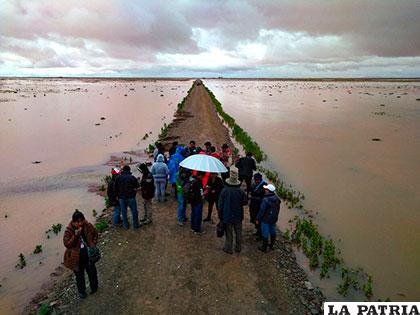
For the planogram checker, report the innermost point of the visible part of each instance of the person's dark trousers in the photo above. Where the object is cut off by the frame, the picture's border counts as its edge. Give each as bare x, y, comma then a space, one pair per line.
211, 201
196, 216
90, 270
132, 203
248, 181
229, 228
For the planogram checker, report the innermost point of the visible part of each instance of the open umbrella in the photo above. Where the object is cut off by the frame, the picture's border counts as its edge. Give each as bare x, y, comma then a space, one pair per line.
203, 163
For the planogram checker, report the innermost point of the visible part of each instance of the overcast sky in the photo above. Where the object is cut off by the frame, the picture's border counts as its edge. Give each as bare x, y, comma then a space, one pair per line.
278, 38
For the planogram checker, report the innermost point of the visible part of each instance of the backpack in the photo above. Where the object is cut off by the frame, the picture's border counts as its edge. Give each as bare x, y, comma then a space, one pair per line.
187, 191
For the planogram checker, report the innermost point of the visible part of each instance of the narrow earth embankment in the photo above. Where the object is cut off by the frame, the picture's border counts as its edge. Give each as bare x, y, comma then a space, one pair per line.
164, 268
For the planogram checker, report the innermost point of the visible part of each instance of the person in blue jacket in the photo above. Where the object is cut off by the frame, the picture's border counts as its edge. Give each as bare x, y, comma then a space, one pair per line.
268, 216
173, 166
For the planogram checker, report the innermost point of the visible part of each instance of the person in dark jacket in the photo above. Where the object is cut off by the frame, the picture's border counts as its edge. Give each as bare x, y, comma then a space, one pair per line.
191, 150
257, 193
231, 211
112, 196
172, 149
147, 188
214, 188
126, 186
246, 165
268, 216
196, 200
80, 235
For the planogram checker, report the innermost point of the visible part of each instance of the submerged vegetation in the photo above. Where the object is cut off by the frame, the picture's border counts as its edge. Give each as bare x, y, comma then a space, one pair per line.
304, 233
101, 225
38, 249
22, 261
240, 135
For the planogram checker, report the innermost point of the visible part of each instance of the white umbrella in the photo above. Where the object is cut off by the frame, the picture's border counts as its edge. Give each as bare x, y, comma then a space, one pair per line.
204, 163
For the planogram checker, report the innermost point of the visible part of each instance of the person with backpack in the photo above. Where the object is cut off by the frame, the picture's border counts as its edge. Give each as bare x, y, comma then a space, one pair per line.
126, 186
112, 197
213, 189
147, 188
194, 192
160, 173
268, 216
182, 178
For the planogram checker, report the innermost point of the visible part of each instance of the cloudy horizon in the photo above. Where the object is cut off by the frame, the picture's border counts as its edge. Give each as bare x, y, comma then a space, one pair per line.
284, 38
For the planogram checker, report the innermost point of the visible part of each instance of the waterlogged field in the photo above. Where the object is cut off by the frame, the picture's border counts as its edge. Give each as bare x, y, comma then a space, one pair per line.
353, 149
56, 136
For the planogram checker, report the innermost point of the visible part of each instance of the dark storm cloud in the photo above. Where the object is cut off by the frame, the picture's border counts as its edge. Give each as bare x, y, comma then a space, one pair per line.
115, 35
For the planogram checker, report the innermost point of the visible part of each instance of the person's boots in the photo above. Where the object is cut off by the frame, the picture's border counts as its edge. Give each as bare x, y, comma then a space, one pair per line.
273, 241
264, 245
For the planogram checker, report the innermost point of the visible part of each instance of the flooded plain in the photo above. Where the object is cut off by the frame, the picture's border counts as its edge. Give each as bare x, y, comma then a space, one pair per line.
56, 137
353, 149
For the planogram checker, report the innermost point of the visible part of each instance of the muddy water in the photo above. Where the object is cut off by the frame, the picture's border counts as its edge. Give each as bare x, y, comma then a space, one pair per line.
55, 122
319, 137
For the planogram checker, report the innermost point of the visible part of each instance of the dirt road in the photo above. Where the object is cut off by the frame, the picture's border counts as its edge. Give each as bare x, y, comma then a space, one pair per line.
163, 268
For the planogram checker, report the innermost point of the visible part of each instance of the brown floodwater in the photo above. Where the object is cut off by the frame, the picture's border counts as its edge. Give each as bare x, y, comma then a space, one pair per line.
319, 137
55, 122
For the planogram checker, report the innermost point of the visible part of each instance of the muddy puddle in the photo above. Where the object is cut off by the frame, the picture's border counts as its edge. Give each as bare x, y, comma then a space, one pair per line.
56, 137
353, 148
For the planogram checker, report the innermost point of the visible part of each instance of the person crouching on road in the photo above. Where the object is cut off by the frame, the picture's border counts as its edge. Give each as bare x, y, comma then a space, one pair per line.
268, 216
231, 211
112, 197
147, 188
160, 173
80, 235
126, 186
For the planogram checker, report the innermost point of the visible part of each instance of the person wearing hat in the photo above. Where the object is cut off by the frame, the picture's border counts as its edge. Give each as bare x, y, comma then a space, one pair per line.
268, 216
257, 193
231, 211
112, 197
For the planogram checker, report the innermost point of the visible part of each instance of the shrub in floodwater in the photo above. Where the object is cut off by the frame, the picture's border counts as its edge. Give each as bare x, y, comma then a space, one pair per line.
22, 261
150, 148
101, 225
38, 249
44, 309
238, 133
330, 260
286, 234
367, 288
94, 213
145, 136
107, 202
56, 228
102, 188
107, 179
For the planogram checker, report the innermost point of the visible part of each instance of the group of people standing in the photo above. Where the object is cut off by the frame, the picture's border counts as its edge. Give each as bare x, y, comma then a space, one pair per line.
189, 188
